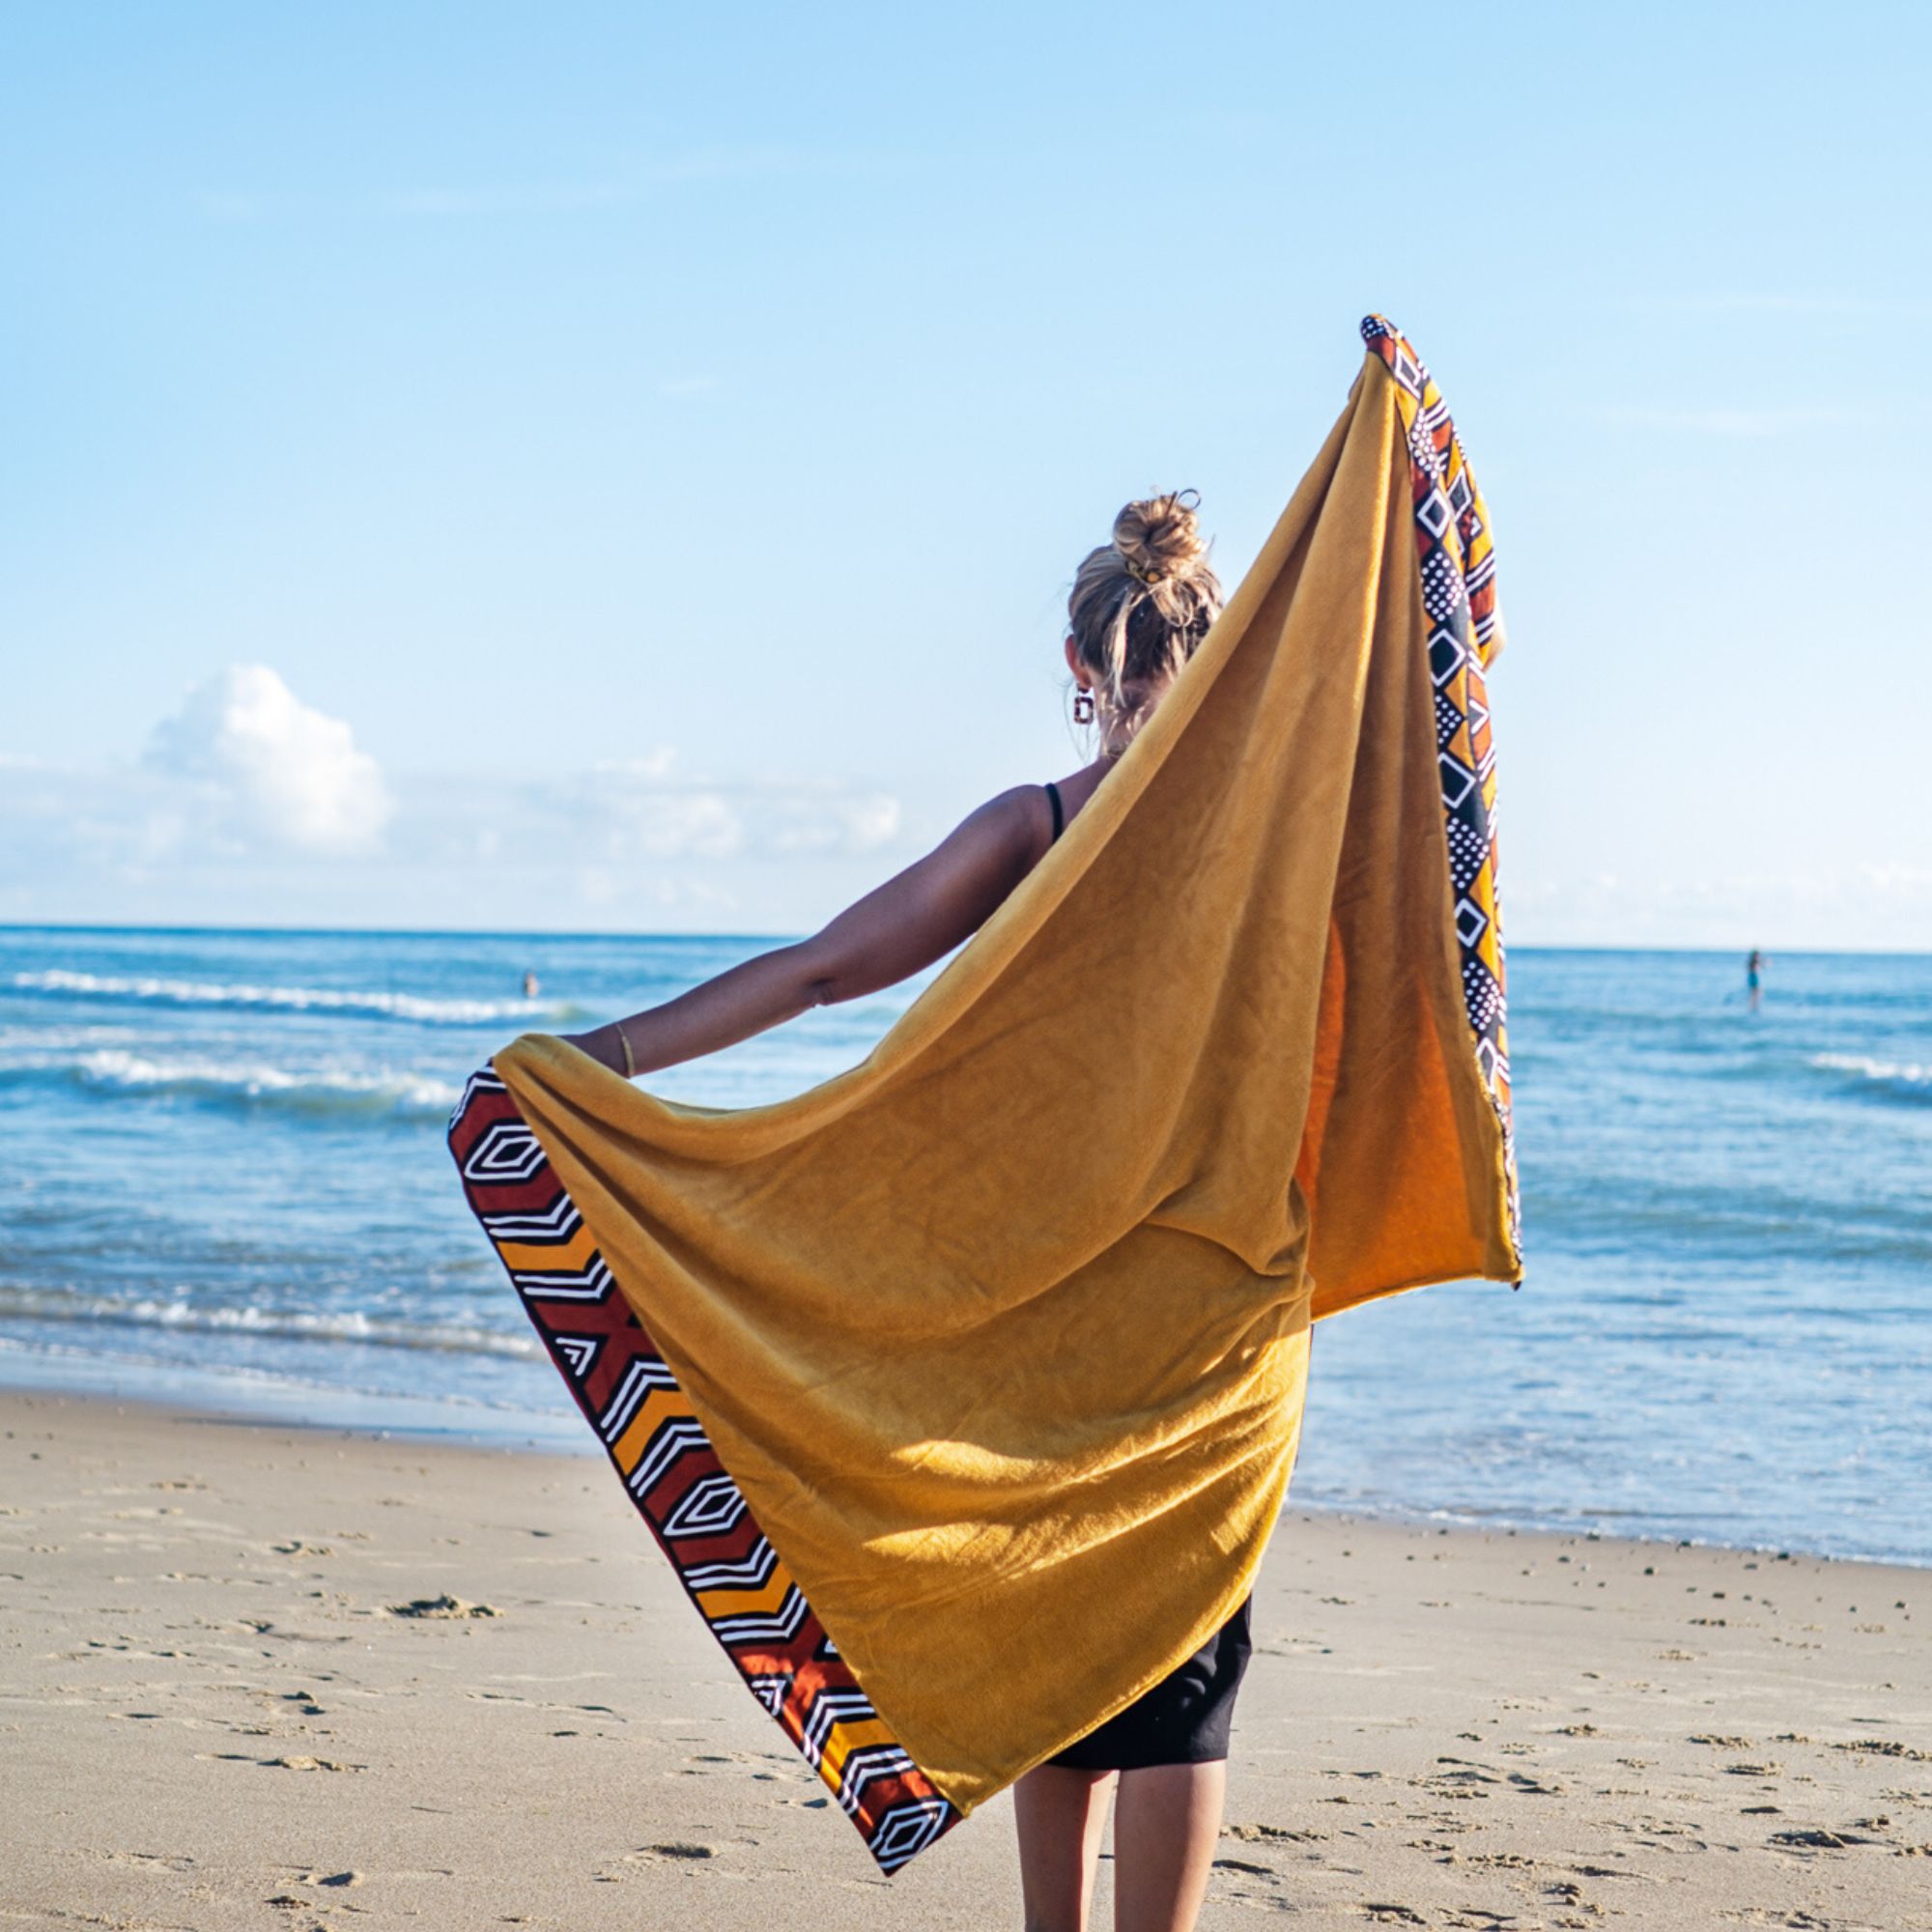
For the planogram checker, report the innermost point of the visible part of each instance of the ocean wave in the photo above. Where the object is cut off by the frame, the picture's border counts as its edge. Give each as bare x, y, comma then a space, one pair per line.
1899, 1079
44, 1037
59, 983
181, 1315
114, 1070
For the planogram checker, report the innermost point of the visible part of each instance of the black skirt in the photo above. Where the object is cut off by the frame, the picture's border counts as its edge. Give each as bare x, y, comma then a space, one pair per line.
1183, 1719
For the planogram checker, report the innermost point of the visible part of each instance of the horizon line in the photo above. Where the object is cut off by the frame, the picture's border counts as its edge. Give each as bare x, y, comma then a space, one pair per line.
789, 938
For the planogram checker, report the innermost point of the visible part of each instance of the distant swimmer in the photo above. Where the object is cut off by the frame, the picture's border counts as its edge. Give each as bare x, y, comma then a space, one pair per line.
532, 988
1754, 977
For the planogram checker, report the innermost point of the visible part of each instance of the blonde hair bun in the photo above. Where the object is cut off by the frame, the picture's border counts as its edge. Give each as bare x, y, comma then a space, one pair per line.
1159, 538
1140, 605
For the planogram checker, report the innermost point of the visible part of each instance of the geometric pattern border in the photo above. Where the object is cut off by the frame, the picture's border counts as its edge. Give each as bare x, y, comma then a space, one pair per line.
687, 1498
1457, 560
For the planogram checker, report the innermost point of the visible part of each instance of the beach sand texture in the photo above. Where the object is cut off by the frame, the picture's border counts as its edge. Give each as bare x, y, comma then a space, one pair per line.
255, 1677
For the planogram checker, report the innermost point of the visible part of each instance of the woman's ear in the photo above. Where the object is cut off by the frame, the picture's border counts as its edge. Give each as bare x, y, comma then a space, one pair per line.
1073, 663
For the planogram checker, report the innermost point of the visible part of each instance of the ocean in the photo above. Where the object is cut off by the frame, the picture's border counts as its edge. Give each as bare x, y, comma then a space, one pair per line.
225, 1184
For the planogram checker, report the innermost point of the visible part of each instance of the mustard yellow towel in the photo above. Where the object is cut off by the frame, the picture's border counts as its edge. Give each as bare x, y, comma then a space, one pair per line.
963, 1389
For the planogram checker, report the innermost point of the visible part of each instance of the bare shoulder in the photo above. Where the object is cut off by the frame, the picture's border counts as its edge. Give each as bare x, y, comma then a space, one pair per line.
1015, 813
937, 901
1012, 825
991, 850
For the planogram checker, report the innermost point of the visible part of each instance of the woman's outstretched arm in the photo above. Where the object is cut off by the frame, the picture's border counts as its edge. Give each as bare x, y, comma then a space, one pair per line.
906, 924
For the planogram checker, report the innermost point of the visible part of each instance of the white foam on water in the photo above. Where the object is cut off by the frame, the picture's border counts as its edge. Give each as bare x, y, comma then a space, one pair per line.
181, 1315
1902, 1076
443, 1011
117, 1070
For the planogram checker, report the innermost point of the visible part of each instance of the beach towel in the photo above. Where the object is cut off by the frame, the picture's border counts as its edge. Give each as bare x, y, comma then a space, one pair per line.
962, 1391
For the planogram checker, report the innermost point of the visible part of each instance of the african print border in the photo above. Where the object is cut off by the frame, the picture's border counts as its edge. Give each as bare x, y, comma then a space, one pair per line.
684, 1495
1458, 596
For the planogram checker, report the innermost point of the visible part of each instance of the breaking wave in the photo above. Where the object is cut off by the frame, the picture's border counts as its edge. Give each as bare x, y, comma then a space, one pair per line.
60, 983
1894, 1079
116, 1071
181, 1315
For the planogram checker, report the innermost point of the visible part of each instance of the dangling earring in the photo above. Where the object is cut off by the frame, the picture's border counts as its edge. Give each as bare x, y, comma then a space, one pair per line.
1083, 706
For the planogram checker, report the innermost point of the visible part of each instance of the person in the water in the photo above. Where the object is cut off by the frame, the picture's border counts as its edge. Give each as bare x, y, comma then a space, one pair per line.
1754, 977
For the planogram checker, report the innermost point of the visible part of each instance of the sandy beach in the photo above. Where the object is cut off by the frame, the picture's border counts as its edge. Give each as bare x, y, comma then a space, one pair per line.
256, 1676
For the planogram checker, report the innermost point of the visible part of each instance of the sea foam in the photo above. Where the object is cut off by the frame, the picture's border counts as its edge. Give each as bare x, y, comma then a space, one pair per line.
1901, 1079
59, 981
181, 1315
117, 1071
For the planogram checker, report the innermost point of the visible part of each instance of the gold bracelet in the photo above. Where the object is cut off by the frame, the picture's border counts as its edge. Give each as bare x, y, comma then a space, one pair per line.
624, 1038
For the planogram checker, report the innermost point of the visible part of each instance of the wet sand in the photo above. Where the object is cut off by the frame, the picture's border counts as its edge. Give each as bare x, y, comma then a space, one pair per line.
261, 1677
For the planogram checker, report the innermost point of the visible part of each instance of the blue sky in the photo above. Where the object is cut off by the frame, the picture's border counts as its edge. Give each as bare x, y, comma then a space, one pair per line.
617, 467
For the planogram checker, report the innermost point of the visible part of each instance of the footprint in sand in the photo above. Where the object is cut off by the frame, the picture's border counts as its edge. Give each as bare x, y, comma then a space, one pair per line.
1880, 1748
445, 1605
675, 1848
1567, 1891
1820, 1841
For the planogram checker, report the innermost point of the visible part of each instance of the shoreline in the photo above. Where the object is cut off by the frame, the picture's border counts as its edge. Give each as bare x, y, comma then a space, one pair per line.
216, 1698
287, 1401
278, 1403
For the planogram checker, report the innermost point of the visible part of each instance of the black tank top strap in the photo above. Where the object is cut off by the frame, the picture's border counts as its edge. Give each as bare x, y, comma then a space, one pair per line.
1058, 817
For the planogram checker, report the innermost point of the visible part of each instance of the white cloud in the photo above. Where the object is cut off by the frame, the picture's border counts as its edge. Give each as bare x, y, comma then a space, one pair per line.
815, 823
1905, 882
641, 846
273, 766
656, 821
622, 818
248, 805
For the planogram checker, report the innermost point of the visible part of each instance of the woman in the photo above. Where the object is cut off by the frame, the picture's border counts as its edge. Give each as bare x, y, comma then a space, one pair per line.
1003, 1333
1139, 607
